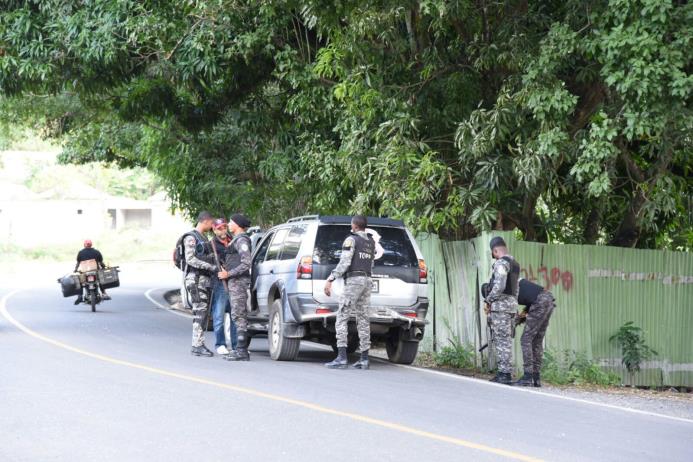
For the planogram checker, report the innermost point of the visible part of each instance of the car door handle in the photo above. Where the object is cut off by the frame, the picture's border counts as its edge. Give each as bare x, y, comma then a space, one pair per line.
272, 271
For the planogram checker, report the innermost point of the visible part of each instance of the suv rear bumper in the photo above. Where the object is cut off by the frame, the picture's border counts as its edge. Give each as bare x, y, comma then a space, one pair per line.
304, 309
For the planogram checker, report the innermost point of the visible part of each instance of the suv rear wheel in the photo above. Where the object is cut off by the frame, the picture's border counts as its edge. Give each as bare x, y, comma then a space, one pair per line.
280, 347
401, 351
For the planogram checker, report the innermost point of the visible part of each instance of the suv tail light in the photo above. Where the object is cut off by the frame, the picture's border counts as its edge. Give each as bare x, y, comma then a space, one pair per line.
423, 272
305, 268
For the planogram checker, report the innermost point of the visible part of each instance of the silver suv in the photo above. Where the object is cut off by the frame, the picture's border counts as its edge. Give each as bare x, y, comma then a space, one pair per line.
291, 264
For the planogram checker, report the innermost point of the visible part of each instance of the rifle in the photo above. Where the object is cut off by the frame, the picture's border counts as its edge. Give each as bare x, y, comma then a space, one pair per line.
216, 259
491, 335
517, 320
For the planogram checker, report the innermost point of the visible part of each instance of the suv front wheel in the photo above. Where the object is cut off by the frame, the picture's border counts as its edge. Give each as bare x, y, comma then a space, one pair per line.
399, 350
280, 347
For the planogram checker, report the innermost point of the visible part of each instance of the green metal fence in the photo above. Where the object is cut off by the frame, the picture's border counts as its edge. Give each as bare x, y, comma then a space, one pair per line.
597, 290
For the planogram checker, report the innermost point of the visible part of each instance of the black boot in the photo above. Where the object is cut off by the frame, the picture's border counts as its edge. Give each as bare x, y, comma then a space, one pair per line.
527, 380
362, 363
241, 351
536, 379
340, 362
201, 350
503, 378
79, 300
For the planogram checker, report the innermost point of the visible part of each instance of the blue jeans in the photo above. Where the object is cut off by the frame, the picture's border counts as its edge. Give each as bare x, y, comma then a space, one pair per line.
221, 306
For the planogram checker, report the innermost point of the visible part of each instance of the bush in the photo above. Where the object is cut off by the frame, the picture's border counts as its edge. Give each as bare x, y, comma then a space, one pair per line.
634, 350
457, 355
570, 367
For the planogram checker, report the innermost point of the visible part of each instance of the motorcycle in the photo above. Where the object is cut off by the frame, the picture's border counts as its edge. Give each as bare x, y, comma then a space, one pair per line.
92, 289
90, 283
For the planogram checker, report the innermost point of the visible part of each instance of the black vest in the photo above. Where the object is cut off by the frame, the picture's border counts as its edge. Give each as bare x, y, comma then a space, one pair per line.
529, 292
364, 252
233, 258
511, 283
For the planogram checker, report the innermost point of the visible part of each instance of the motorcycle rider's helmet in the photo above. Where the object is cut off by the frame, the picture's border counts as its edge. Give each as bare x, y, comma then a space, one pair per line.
87, 243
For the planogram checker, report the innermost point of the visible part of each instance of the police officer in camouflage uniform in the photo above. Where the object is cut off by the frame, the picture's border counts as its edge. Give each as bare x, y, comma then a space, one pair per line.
238, 262
356, 266
539, 304
502, 298
199, 269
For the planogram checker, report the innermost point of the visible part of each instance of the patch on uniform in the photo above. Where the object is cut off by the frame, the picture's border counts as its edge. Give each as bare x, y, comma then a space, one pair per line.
245, 248
502, 270
348, 244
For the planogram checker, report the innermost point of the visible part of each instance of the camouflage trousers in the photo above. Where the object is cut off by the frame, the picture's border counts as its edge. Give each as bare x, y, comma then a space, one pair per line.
198, 287
532, 340
502, 322
355, 301
238, 298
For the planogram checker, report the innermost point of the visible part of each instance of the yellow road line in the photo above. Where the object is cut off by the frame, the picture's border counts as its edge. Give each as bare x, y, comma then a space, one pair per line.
259, 394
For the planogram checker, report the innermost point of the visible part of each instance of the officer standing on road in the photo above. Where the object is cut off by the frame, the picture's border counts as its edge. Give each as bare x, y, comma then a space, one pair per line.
356, 266
539, 304
198, 279
238, 261
503, 300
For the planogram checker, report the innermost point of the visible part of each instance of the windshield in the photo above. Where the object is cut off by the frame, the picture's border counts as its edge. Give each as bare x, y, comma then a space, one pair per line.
395, 241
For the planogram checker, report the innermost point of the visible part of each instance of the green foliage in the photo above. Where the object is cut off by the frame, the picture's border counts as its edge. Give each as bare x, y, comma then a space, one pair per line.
630, 338
573, 368
567, 120
456, 355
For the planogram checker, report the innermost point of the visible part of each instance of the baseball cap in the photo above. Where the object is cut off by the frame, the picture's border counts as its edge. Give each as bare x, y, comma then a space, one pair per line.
219, 222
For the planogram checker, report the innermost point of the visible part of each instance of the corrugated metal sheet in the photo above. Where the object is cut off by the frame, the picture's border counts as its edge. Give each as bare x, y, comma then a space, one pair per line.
597, 290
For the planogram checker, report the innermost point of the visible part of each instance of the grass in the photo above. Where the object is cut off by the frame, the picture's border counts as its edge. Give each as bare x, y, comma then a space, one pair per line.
456, 355
559, 368
574, 368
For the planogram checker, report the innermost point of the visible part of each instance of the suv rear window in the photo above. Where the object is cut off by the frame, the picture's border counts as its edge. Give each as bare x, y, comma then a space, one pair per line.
395, 241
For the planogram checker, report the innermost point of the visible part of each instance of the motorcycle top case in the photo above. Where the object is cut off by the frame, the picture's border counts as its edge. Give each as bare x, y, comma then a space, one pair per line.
70, 285
108, 278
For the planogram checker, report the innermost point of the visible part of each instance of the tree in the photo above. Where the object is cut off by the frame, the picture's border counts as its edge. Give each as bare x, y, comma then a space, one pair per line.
568, 121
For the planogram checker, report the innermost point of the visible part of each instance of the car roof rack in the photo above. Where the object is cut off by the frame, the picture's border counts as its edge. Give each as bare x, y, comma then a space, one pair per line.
346, 219
375, 221
303, 218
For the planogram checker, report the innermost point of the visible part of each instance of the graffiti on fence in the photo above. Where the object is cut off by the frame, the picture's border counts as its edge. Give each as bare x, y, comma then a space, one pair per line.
549, 278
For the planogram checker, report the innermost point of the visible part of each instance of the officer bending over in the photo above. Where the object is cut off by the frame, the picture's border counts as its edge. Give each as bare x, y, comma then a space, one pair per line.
539, 304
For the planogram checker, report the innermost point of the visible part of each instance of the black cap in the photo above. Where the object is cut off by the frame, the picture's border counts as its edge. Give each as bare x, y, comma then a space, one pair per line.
497, 242
204, 216
241, 220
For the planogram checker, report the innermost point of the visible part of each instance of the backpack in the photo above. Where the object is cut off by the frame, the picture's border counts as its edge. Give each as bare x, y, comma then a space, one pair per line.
179, 251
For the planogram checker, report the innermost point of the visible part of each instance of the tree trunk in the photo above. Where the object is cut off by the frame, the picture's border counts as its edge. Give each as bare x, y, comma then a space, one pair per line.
591, 232
628, 231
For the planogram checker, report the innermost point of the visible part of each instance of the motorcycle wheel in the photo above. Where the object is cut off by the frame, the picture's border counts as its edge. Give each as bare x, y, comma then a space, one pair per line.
92, 298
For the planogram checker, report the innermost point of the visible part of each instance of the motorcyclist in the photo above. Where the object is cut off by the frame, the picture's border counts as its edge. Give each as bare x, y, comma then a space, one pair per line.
86, 254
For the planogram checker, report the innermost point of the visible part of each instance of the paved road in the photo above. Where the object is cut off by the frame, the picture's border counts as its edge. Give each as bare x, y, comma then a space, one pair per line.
120, 385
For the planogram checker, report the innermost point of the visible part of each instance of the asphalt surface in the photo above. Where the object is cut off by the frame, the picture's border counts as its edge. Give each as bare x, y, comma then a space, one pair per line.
121, 385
